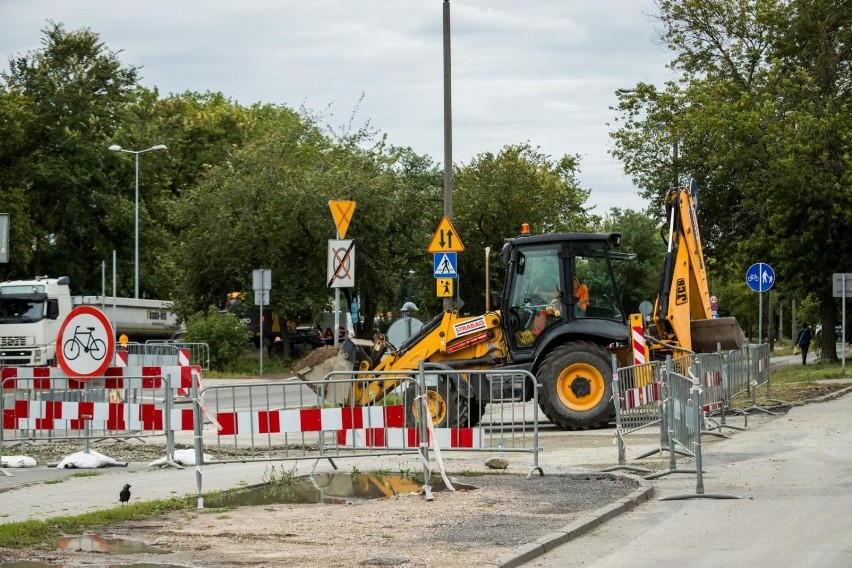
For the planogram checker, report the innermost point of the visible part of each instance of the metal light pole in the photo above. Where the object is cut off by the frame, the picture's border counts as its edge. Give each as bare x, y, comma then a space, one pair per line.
117, 148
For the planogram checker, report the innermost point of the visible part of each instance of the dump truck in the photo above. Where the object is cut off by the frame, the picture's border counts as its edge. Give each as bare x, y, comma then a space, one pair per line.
560, 317
32, 312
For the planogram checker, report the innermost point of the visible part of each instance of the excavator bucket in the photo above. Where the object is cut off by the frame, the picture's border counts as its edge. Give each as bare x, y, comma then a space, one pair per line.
316, 370
708, 334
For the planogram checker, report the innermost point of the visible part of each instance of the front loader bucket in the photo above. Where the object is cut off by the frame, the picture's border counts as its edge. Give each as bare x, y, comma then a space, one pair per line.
709, 333
314, 372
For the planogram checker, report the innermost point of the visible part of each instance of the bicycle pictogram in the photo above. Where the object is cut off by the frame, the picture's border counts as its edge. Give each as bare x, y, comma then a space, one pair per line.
95, 347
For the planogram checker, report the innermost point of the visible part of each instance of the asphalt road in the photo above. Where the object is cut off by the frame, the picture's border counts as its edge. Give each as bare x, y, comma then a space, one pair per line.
793, 477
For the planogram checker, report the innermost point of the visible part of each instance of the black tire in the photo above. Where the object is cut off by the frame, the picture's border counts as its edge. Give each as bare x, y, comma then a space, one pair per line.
447, 407
576, 386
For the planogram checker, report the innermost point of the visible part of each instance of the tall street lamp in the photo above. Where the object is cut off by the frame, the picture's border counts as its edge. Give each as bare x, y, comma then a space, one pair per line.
117, 148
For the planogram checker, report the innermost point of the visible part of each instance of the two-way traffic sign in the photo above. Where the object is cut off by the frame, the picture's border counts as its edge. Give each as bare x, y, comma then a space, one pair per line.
445, 239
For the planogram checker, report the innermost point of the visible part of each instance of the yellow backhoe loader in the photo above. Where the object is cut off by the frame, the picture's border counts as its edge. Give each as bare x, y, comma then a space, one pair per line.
559, 317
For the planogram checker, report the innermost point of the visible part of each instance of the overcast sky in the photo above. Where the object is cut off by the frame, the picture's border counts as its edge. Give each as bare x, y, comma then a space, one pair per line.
537, 71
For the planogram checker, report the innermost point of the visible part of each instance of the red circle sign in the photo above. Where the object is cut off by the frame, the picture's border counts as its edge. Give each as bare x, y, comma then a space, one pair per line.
85, 345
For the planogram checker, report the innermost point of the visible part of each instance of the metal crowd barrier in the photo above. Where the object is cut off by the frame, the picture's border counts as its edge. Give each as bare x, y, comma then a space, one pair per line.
759, 375
643, 397
149, 354
42, 405
638, 392
324, 420
685, 411
199, 352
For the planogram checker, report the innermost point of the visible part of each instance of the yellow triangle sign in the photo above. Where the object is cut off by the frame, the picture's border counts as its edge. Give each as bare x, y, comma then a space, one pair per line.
446, 239
342, 212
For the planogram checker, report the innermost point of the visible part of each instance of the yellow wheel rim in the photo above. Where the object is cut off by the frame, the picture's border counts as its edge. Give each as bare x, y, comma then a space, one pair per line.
437, 407
580, 387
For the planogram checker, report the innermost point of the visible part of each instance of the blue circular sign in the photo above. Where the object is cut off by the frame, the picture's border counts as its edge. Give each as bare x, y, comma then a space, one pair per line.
760, 277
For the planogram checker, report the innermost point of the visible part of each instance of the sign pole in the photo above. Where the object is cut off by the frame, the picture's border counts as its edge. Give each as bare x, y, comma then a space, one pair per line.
336, 332
260, 321
843, 330
760, 317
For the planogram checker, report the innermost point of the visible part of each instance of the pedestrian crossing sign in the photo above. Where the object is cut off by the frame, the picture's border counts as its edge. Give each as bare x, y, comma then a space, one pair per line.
445, 264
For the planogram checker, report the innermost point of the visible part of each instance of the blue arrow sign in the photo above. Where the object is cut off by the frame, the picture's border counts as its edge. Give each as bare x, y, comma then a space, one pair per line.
760, 277
445, 265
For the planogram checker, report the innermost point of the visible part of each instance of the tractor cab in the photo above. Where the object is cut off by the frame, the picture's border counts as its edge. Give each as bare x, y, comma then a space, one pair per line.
560, 287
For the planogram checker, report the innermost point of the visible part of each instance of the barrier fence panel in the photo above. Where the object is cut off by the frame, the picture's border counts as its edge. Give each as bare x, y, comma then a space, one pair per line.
759, 375
686, 413
41, 404
737, 368
199, 353
148, 354
637, 397
331, 418
712, 371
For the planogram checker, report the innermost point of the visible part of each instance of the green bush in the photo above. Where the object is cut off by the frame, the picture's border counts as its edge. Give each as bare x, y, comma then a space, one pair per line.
226, 335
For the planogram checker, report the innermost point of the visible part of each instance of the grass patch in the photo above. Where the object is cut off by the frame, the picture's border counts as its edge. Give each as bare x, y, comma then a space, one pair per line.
44, 535
798, 383
279, 476
86, 474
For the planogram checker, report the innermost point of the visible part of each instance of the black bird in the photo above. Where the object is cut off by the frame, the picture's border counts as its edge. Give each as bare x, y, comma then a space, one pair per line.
124, 496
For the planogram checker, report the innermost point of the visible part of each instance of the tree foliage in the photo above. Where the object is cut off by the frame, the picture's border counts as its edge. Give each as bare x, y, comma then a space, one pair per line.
60, 105
762, 120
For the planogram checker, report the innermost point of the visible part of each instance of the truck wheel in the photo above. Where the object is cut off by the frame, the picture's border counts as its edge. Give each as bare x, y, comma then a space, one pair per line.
448, 409
576, 386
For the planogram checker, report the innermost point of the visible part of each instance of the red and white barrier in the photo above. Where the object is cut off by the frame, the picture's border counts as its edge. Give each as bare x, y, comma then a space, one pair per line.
310, 420
55, 378
409, 438
640, 396
61, 415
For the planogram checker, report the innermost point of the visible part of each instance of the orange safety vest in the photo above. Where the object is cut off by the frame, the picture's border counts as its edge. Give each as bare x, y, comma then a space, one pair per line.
541, 319
582, 293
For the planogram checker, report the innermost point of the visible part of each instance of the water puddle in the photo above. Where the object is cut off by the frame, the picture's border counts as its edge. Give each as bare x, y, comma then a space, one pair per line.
329, 488
107, 545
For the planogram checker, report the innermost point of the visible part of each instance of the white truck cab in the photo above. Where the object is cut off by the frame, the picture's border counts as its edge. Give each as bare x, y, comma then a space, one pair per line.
31, 313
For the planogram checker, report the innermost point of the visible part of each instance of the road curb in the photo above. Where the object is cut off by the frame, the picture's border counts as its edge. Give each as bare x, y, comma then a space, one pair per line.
548, 542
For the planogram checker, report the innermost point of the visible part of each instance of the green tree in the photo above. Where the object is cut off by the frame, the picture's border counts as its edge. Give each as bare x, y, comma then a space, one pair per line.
638, 279
62, 103
224, 334
762, 116
495, 194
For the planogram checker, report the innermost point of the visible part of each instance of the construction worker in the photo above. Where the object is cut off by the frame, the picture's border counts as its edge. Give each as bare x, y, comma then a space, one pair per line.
548, 292
581, 291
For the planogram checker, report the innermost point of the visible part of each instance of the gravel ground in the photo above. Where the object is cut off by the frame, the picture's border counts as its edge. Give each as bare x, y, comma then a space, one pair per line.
472, 526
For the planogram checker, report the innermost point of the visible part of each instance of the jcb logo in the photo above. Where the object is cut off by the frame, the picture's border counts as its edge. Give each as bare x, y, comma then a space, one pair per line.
680, 292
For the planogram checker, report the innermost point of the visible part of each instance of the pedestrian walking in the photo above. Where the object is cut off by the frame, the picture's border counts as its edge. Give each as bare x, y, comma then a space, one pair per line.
803, 341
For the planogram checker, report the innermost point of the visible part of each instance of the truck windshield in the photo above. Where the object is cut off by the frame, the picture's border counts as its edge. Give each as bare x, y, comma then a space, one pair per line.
18, 310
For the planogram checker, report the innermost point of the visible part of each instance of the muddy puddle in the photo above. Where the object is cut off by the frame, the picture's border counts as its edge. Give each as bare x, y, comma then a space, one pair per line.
331, 488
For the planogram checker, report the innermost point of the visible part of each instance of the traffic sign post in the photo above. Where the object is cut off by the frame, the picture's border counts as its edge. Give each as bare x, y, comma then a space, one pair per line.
341, 256
444, 245
760, 277
85, 345
842, 287
261, 281
4, 237
445, 265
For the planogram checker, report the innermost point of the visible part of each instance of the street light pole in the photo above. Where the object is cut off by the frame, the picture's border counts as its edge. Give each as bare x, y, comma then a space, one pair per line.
117, 148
